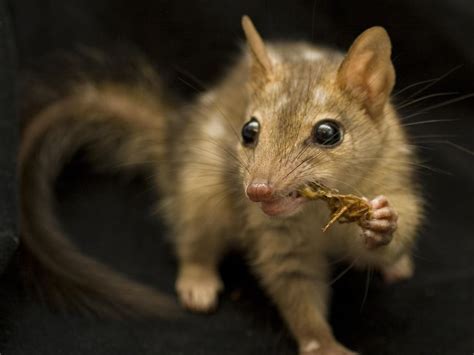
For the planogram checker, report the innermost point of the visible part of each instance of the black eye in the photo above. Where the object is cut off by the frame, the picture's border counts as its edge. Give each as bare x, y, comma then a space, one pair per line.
250, 132
327, 133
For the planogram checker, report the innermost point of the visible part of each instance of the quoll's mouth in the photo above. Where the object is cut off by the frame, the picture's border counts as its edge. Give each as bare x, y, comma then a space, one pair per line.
284, 206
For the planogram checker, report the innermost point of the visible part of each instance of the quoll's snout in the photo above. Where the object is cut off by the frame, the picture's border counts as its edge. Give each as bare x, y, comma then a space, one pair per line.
259, 191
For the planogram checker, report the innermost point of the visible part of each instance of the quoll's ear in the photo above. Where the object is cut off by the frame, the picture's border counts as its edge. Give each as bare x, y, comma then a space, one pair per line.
261, 65
367, 71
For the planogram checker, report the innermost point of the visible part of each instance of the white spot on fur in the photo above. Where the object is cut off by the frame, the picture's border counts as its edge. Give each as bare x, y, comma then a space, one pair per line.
312, 55
208, 98
311, 346
404, 149
272, 88
214, 127
281, 102
320, 95
274, 57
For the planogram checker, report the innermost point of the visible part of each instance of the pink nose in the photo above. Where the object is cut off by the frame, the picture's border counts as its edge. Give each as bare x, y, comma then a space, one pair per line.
259, 191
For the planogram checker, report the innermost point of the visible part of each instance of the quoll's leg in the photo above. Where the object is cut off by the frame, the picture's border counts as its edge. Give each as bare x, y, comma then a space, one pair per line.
200, 218
298, 286
199, 283
402, 269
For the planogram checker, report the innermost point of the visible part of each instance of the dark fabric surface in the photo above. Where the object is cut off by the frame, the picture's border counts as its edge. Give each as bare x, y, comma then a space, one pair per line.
8, 142
110, 216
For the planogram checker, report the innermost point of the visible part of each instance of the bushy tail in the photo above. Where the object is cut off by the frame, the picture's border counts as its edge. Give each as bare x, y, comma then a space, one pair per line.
120, 125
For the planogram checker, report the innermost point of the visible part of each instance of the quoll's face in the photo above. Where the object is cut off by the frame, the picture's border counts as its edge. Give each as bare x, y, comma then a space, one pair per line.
300, 128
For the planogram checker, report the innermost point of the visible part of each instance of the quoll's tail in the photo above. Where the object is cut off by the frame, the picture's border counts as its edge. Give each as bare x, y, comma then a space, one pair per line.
119, 125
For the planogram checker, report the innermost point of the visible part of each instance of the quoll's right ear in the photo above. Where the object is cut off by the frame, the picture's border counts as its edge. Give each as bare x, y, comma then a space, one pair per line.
367, 71
261, 63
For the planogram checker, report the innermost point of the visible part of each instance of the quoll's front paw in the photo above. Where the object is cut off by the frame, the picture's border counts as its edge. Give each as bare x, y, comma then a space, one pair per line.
313, 347
378, 230
198, 288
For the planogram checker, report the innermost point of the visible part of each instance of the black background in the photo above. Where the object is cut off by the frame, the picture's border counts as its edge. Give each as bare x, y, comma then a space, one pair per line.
111, 218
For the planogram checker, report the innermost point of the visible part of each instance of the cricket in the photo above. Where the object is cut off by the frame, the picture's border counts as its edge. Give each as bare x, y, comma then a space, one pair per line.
344, 208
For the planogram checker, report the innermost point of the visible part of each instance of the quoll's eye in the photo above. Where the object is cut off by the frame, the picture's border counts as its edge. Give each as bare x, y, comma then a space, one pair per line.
327, 133
250, 132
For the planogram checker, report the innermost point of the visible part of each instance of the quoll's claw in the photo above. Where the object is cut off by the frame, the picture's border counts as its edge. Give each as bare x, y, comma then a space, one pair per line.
378, 229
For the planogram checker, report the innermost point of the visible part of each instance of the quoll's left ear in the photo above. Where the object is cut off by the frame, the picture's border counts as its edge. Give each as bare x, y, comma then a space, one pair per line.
367, 71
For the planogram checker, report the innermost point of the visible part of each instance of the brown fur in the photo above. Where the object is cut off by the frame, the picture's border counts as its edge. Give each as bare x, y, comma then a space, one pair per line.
205, 173
104, 117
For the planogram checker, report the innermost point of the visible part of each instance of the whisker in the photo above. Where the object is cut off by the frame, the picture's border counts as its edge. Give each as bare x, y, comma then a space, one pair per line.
405, 162
412, 86
423, 98
442, 104
457, 146
428, 121
345, 271
367, 284
435, 81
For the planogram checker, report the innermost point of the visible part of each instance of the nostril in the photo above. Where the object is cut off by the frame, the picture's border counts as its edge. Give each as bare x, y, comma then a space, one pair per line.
259, 191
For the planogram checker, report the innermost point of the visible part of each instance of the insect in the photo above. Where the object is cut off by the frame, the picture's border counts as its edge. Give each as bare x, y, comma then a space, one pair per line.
344, 208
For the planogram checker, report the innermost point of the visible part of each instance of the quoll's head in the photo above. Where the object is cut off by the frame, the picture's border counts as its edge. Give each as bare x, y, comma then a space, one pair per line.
312, 116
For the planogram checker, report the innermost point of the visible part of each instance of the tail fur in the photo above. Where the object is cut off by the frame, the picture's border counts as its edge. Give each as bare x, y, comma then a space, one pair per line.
121, 124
